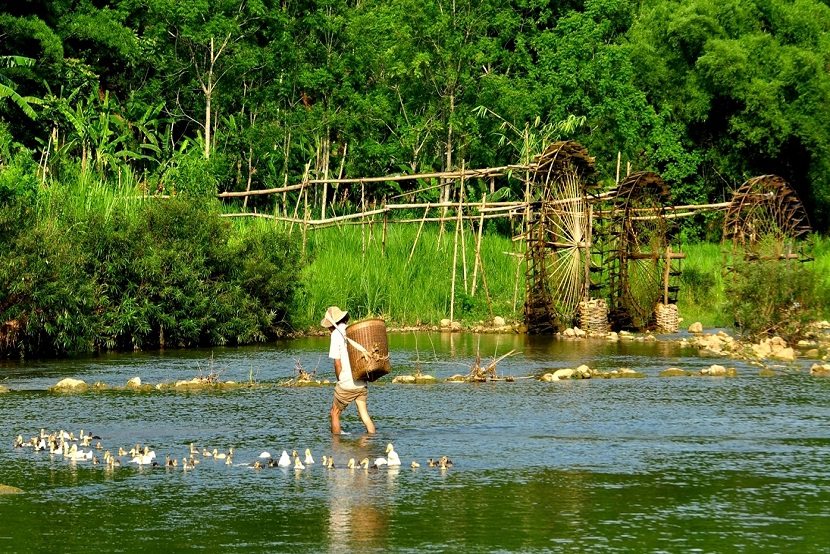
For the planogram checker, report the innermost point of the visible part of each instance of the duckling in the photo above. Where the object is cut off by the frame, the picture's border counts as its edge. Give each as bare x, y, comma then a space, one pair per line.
257, 465
99, 446
414, 465
308, 458
188, 463
324, 460
229, 460
364, 463
193, 449
392, 457
444, 462
114, 462
351, 464
95, 461
218, 455
121, 451
298, 465
207, 453
18, 441
330, 463
284, 461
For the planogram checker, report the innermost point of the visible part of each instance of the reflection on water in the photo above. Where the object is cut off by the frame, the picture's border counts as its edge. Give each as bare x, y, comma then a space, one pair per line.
653, 464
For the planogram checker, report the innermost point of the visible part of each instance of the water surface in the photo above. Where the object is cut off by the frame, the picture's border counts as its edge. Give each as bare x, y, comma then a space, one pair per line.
645, 465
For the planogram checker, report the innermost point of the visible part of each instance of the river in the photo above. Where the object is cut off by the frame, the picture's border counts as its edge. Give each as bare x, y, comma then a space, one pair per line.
657, 464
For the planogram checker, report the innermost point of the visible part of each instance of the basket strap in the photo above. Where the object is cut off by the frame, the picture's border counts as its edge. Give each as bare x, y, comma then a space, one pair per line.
354, 343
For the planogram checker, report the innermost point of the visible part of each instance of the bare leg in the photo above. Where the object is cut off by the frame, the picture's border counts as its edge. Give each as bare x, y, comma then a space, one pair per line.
335, 419
363, 411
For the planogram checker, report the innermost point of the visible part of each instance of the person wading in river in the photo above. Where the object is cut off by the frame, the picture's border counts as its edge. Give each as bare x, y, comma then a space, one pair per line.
347, 389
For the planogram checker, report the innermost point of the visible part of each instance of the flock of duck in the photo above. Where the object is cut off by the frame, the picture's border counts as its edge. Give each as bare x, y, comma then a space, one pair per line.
71, 448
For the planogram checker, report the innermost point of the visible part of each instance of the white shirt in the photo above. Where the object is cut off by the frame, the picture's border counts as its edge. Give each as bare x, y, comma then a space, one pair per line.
338, 351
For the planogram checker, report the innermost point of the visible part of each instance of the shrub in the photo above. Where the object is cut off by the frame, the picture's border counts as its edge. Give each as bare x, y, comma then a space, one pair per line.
775, 298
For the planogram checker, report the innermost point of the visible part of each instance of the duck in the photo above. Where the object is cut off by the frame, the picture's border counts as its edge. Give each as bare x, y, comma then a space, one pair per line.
284, 461
432, 463
219, 455
308, 458
330, 463
364, 463
414, 465
229, 460
351, 464
41, 444
298, 465
444, 462
207, 453
145, 458
392, 457
121, 451
18, 441
379, 462
193, 449
187, 463
257, 465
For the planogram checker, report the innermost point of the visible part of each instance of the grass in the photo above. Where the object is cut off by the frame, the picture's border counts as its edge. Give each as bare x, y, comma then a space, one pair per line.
349, 266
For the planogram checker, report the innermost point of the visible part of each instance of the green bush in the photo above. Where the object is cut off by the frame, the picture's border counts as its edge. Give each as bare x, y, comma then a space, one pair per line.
169, 273
775, 298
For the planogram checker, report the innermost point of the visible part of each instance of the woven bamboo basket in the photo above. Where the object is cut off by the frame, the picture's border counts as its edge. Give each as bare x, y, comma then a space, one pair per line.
374, 363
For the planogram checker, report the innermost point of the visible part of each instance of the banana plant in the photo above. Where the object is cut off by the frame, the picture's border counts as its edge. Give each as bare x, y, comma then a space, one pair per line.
7, 86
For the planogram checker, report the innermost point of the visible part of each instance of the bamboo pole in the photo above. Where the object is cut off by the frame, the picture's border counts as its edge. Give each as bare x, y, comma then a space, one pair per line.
666, 272
362, 222
418, 235
454, 265
461, 229
383, 236
478, 246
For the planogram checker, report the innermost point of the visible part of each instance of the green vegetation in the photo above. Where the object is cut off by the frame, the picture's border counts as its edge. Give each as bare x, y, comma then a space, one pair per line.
106, 102
417, 291
89, 270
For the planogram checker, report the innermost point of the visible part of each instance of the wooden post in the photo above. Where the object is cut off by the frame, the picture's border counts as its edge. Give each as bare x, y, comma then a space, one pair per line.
478, 245
454, 265
619, 159
463, 234
363, 221
417, 236
383, 235
666, 273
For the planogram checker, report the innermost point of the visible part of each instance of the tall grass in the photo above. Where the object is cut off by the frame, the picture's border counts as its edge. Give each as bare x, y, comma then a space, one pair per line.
348, 266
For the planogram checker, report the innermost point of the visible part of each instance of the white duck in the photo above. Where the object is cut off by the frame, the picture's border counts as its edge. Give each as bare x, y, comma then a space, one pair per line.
392, 457
284, 461
308, 458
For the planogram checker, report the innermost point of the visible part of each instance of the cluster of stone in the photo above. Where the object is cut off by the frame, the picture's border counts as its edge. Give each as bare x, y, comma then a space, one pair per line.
585, 372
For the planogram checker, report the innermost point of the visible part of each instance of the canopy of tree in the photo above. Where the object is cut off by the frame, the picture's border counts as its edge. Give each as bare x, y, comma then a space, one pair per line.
255, 93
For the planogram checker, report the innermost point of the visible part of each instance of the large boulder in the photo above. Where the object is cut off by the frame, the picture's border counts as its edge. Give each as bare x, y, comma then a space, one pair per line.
696, 327
8, 489
70, 384
716, 370
820, 370
565, 373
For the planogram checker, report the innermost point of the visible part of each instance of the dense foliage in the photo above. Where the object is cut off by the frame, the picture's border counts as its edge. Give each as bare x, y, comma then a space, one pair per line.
707, 92
105, 100
167, 273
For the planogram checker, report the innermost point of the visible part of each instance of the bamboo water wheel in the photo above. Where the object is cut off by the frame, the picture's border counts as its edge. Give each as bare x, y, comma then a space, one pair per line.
559, 237
764, 220
641, 260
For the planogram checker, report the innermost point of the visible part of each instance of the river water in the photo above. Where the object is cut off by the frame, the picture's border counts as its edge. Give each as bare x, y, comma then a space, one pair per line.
683, 464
